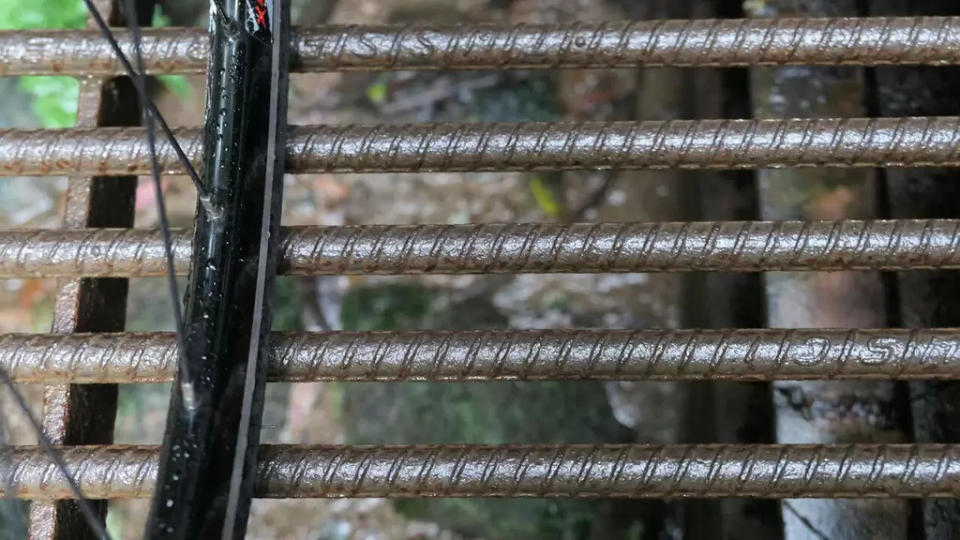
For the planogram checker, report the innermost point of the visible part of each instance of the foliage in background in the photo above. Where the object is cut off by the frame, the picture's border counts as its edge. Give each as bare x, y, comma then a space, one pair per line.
287, 304
521, 97
55, 97
545, 197
175, 83
478, 413
390, 306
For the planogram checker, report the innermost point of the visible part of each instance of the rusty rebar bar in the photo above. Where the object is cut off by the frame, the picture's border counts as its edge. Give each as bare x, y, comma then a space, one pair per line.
818, 299
925, 298
80, 415
725, 42
869, 470
512, 355
90, 252
749, 246
690, 144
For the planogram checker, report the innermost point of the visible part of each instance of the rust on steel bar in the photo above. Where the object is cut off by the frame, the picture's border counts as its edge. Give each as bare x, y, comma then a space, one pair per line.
72, 414
748, 246
512, 355
867, 470
705, 42
688, 144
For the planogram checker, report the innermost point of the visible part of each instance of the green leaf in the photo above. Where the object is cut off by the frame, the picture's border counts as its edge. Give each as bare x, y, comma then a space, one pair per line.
377, 92
160, 19
177, 84
544, 197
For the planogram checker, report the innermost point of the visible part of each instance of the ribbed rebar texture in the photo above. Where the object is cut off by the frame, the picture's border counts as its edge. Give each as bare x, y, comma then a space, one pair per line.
691, 144
526, 355
90, 252
730, 42
529, 471
748, 246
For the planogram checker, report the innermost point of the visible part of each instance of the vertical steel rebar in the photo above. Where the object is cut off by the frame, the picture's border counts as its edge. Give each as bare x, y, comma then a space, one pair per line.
74, 414
818, 411
925, 298
743, 412
666, 94
196, 467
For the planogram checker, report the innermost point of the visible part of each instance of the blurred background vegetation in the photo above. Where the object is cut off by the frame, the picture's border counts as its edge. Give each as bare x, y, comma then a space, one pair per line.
54, 99
507, 412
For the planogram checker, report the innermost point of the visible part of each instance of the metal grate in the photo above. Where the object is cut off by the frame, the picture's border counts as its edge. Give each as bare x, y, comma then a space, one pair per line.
96, 243
741, 42
683, 144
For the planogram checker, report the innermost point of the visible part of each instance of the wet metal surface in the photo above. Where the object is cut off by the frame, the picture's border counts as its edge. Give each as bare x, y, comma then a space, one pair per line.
212, 431
689, 144
825, 411
91, 252
748, 246
926, 298
75, 414
851, 470
506, 355
705, 42
532, 471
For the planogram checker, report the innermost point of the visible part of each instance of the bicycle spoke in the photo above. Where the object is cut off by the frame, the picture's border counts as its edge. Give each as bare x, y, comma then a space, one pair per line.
139, 82
89, 514
209, 450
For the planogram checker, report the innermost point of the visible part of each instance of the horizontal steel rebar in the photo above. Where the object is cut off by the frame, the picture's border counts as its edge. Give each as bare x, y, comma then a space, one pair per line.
694, 144
527, 355
868, 470
729, 42
514, 248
